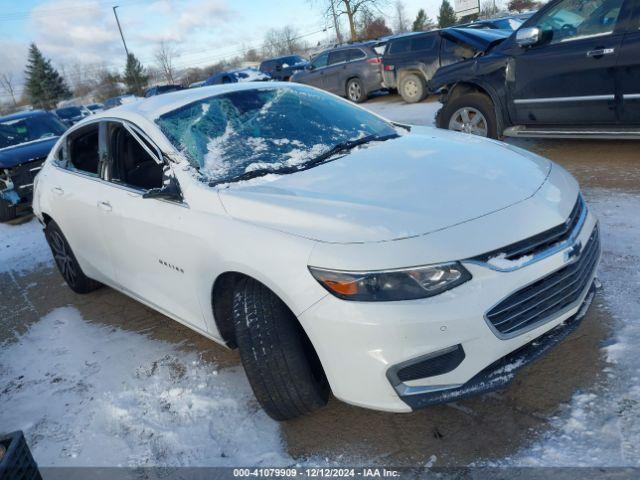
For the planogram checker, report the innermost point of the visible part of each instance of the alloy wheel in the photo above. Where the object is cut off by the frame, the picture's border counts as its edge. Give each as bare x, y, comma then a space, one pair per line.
64, 259
469, 120
355, 91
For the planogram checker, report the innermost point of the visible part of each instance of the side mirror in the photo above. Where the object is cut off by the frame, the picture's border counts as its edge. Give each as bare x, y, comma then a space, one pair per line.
169, 191
311, 66
527, 37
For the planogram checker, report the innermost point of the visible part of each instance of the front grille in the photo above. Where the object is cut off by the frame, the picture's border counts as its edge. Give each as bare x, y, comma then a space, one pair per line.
548, 296
23, 175
541, 241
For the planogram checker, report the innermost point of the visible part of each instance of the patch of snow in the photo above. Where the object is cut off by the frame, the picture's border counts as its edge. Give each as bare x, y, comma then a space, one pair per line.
501, 262
23, 247
602, 427
395, 109
92, 395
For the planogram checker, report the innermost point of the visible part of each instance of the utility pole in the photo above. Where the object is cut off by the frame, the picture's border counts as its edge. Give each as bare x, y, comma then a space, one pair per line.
336, 25
120, 28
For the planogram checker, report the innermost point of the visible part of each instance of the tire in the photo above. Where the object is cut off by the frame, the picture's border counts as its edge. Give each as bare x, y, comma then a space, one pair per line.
7, 211
355, 91
413, 88
280, 362
478, 102
66, 261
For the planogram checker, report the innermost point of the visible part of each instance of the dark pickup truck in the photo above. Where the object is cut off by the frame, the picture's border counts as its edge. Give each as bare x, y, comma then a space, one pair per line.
25, 141
411, 60
571, 71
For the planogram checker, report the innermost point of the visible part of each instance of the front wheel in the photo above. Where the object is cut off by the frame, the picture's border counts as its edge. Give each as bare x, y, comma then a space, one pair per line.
7, 211
66, 261
473, 113
281, 364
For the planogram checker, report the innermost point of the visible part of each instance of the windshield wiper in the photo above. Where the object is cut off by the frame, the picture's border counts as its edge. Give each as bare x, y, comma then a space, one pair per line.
322, 158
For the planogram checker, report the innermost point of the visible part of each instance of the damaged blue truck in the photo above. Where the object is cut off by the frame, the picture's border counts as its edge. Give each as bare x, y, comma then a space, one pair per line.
25, 141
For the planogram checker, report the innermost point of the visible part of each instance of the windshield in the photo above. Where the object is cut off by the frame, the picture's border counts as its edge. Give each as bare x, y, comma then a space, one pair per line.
68, 112
22, 130
229, 135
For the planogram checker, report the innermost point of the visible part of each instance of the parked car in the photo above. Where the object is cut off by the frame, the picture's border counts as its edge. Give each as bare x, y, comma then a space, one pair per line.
331, 246
351, 71
281, 68
95, 107
71, 115
410, 61
160, 89
572, 71
509, 22
119, 100
25, 140
235, 76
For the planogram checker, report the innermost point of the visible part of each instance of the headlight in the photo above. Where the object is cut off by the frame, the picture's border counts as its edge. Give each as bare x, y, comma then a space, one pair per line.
389, 285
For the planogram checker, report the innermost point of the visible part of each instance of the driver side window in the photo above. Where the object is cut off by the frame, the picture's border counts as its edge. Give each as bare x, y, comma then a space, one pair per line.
320, 61
132, 166
577, 19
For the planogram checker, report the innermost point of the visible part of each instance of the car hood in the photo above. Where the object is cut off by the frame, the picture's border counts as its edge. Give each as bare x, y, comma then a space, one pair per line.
481, 40
26, 152
413, 185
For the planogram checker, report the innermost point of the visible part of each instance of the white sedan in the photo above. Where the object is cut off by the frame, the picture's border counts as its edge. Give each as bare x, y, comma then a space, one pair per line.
394, 266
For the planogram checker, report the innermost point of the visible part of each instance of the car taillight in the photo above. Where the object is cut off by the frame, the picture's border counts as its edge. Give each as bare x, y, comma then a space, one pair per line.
388, 68
374, 60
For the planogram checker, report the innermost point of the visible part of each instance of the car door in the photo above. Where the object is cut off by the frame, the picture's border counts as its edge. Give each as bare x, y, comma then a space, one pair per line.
315, 75
568, 77
155, 255
334, 73
628, 70
77, 188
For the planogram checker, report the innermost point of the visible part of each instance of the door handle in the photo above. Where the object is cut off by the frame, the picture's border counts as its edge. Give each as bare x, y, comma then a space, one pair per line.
600, 52
57, 190
105, 206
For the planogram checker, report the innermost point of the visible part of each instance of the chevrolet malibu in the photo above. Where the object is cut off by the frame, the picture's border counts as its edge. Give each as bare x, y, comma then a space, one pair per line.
395, 266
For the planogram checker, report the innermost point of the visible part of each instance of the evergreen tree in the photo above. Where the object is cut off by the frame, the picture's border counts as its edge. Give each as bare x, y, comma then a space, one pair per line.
422, 23
418, 23
134, 76
45, 87
447, 16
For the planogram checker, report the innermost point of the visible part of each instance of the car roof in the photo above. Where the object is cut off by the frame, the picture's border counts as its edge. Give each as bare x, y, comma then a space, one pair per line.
20, 115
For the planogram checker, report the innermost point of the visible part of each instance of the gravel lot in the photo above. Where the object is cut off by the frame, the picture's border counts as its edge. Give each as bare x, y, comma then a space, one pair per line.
81, 374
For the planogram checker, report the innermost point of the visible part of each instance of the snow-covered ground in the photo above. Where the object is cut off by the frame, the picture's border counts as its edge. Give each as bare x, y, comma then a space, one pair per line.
90, 394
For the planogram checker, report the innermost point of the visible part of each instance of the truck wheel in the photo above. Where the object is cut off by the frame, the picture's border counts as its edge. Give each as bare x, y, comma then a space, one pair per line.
355, 91
471, 113
281, 364
7, 211
66, 261
413, 88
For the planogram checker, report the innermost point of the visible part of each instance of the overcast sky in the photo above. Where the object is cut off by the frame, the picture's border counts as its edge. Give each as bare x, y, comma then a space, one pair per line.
203, 31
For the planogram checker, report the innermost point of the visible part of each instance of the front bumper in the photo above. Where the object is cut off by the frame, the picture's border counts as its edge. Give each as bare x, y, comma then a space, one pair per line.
360, 343
16, 183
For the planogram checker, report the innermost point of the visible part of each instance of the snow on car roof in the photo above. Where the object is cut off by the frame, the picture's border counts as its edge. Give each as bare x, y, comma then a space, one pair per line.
153, 107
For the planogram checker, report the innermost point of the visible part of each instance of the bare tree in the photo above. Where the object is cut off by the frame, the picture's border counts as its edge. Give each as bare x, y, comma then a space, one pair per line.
164, 55
488, 9
402, 23
281, 41
6, 81
351, 9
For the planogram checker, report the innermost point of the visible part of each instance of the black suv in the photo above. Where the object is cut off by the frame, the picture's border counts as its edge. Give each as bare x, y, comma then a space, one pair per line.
571, 71
410, 60
351, 71
281, 68
25, 141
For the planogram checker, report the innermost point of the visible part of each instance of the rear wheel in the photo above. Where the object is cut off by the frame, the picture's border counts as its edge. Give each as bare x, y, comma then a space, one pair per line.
7, 211
355, 91
471, 113
281, 364
413, 88
66, 261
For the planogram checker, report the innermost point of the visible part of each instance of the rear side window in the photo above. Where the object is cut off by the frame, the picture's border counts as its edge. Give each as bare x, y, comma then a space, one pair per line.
338, 56
356, 54
428, 42
400, 46
83, 150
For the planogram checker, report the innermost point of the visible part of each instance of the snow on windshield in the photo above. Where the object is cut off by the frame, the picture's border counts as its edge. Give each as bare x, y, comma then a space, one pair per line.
228, 135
